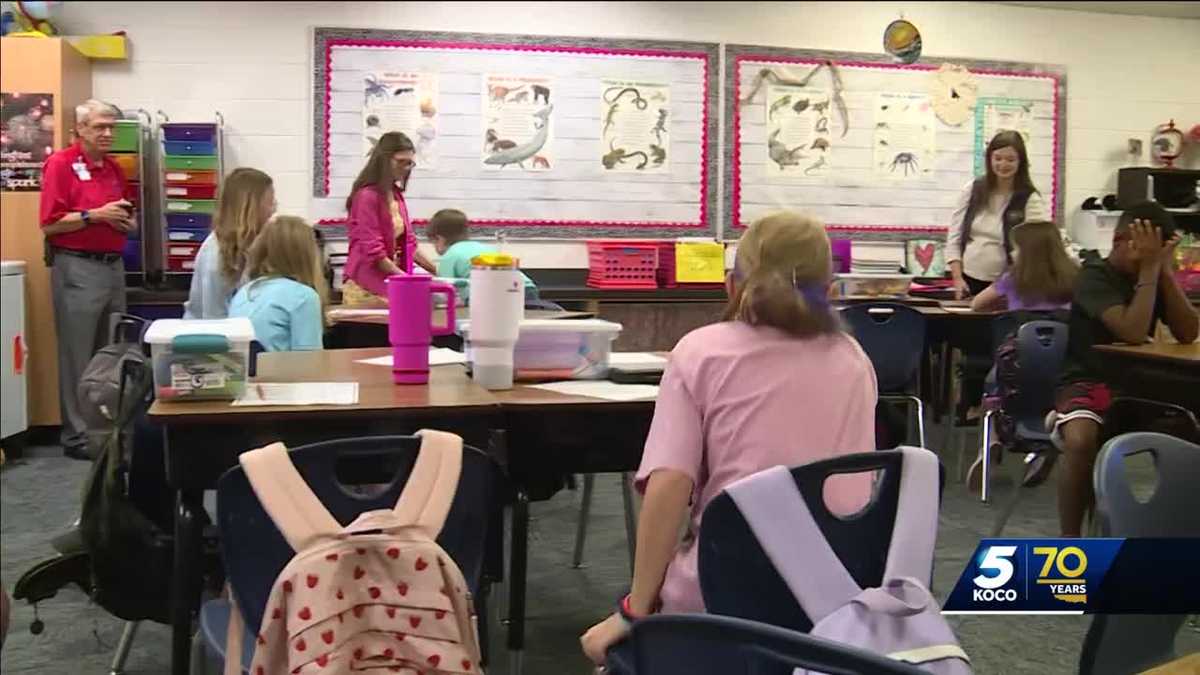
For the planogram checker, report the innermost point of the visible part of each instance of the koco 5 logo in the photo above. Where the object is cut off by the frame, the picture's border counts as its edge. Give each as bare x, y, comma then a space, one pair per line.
990, 587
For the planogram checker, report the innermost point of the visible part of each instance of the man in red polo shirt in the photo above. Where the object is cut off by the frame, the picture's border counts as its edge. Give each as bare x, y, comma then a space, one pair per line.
85, 219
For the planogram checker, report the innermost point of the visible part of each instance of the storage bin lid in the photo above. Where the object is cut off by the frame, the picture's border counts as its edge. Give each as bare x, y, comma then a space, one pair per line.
163, 331
12, 267
557, 326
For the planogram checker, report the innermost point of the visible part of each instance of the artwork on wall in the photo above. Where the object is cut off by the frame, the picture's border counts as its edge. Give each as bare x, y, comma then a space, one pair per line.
404, 102
925, 257
996, 114
635, 129
904, 144
798, 138
26, 139
953, 89
517, 126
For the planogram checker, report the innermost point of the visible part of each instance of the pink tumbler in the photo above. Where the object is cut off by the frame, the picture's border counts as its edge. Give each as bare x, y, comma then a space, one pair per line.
410, 310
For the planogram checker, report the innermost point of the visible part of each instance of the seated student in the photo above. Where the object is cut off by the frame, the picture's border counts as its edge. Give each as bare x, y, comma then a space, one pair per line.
246, 203
778, 382
448, 231
1041, 280
1120, 298
285, 296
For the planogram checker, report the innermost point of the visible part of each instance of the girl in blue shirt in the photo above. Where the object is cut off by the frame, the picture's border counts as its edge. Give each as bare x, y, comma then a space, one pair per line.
286, 296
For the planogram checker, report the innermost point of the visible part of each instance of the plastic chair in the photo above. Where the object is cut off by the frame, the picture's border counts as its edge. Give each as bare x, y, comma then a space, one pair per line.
1128, 414
738, 579
255, 552
893, 336
699, 644
1127, 643
1041, 347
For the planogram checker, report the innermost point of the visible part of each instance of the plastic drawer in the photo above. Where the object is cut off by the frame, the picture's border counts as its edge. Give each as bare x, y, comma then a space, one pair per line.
197, 162
189, 132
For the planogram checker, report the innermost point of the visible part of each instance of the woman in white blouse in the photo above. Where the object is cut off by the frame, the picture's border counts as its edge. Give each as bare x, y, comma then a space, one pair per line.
977, 244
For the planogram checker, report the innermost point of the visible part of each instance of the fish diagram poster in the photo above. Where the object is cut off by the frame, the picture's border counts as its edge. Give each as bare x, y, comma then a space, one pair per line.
405, 102
517, 122
905, 137
798, 138
993, 115
26, 139
635, 126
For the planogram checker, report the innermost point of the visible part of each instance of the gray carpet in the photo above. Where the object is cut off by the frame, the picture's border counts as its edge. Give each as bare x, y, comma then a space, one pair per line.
40, 496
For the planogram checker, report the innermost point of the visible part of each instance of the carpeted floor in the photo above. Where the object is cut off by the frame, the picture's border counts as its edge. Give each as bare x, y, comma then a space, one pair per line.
41, 495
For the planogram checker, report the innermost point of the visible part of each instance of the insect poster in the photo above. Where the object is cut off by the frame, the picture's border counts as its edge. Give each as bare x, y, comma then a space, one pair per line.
904, 146
635, 128
405, 102
517, 129
798, 138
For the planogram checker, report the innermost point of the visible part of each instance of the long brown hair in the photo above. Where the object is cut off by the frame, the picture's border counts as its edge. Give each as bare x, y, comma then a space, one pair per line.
1021, 182
1042, 268
378, 170
238, 218
287, 247
782, 275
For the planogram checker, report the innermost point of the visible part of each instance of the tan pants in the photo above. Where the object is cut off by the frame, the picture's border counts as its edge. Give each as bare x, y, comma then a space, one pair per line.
354, 295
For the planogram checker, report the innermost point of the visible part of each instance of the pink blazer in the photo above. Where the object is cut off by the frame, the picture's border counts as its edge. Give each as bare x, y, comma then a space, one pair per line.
372, 238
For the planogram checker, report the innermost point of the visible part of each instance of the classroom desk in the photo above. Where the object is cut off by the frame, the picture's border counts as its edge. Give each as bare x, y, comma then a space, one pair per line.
1162, 371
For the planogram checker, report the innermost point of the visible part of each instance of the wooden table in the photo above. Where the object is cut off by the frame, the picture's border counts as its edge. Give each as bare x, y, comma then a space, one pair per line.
538, 436
1184, 356
1161, 371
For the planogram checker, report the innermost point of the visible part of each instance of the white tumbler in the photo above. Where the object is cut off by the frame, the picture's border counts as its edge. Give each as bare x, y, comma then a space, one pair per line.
497, 300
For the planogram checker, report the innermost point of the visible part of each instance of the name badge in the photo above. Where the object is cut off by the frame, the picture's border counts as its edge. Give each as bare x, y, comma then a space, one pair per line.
81, 171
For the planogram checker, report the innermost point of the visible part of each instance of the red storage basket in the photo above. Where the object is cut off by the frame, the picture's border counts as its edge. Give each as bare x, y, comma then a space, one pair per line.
622, 264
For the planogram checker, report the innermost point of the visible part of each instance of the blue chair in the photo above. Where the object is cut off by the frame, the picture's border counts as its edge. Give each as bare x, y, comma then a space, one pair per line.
255, 552
1041, 348
738, 579
893, 336
1128, 643
703, 644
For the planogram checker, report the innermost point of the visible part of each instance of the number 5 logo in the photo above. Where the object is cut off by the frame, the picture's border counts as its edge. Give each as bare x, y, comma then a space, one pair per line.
996, 558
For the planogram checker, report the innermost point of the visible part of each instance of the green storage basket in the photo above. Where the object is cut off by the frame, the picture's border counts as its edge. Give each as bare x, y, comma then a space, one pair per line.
196, 162
125, 136
191, 205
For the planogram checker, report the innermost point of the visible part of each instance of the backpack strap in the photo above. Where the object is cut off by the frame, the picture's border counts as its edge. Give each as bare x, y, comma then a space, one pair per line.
775, 511
285, 496
915, 531
427, 496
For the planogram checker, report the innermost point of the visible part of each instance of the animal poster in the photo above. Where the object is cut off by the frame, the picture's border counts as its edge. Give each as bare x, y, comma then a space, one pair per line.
635, 126
996, 114
904, 145
926, 257
405, 102
517, 125
798, 138
26, 139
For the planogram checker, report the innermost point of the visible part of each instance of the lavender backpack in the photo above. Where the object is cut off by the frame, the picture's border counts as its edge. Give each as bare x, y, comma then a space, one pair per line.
900, 619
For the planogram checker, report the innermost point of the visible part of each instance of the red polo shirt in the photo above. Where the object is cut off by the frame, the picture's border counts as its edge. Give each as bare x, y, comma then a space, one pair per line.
64, 189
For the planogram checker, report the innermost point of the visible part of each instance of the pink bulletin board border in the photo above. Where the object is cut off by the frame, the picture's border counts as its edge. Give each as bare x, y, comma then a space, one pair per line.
736, 55
327, 39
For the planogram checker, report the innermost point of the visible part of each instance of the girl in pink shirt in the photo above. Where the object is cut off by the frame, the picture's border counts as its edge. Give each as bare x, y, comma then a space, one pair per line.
378, 217
778, 382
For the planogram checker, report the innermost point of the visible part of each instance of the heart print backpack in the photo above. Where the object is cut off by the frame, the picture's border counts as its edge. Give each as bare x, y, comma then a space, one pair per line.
378, 595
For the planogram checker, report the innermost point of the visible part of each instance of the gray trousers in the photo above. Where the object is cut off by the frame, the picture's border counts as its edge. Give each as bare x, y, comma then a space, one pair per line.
85, 293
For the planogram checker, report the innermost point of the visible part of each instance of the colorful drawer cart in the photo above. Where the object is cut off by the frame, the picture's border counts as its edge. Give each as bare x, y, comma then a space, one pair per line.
131, 139
192, 167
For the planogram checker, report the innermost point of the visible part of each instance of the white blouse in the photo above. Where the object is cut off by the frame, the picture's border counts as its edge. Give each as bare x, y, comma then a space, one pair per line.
984, 257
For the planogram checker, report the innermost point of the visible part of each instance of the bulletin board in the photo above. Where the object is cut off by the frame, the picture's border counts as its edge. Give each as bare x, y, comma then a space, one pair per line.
537, 136
890, 168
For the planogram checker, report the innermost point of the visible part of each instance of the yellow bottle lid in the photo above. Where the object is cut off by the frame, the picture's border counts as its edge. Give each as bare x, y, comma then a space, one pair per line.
495, 261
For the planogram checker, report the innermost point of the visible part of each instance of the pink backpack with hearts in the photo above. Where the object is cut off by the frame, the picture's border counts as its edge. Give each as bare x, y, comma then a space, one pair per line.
377, 595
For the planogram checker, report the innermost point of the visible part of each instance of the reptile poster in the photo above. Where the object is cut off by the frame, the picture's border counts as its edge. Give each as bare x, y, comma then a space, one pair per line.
635, 126
26, 139
518, 122
904, 142
405, 102
798, 138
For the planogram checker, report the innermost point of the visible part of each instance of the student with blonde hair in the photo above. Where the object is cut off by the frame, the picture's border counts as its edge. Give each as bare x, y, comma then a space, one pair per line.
246, 203
778, 382
286, 295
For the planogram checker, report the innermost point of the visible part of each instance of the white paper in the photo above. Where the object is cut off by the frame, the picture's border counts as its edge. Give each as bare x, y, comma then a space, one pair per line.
517, 126
299, 393
798, 138
636, 361
634, 126
609, 391
904, 142
356, 313
437, 357
405, 102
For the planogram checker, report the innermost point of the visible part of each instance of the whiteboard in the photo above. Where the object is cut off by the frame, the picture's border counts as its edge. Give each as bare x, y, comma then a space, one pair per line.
566, 190
858, 191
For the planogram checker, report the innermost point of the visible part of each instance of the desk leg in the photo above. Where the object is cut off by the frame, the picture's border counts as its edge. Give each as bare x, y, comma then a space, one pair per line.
185, 584
516, 581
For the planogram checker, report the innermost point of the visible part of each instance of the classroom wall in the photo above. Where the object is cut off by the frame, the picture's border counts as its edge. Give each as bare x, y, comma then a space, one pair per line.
251, 61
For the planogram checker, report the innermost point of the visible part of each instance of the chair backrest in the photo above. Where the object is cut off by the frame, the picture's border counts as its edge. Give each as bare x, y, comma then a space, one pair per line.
1128, 414
1041, 347
737, 577
1118, 644
1006, 323
255, 552
699, 644
893, 336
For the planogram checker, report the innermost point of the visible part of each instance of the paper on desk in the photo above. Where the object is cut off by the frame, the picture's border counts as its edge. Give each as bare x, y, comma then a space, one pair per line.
342, 313
609, 391
437, 357
636, 361
299, 393
961, 310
